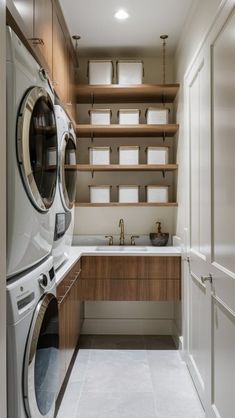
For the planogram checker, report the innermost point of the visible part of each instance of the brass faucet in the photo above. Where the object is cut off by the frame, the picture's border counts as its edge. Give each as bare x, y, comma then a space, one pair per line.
122, 235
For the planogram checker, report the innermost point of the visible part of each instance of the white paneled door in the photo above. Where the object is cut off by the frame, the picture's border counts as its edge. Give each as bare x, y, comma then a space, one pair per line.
210, 89
199, 344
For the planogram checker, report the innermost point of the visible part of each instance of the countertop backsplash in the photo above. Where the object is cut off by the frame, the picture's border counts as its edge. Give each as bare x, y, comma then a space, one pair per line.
101, 240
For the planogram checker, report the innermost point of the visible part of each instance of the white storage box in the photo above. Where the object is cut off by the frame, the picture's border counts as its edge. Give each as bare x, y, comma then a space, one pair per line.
128, 194
157, 116
157, 155
71, 157
100, 116
100, 194
157, 194
100, 72
129, 116
99, 155
128, 155
130, 72
51, 157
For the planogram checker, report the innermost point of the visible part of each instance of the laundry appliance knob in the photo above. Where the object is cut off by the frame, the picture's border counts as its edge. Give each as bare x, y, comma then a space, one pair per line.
43, 281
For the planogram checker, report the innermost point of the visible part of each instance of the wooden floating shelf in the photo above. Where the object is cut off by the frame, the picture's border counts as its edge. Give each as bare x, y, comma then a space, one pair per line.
140, 204
115, 93
114, 131
117, 167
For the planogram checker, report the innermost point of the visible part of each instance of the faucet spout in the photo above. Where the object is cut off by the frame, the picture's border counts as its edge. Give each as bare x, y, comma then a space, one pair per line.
122, 234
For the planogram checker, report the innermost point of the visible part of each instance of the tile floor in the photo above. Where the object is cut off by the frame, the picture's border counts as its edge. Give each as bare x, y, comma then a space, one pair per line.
129, 377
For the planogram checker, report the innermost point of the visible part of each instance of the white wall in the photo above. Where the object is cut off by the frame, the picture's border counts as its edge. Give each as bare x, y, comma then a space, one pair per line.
2, 213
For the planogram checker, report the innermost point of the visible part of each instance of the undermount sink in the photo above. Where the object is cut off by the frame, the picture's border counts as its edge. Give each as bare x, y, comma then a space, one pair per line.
124, 248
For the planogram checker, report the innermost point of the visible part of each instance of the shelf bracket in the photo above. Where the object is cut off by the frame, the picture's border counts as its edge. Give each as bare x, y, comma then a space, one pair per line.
163, 173
92, 136
164, 136
92, 174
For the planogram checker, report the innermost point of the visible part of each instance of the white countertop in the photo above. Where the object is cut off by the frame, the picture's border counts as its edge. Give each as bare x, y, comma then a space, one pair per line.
76, 252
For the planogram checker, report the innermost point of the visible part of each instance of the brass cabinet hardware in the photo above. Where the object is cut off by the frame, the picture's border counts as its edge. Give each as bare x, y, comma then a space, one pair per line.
37, 41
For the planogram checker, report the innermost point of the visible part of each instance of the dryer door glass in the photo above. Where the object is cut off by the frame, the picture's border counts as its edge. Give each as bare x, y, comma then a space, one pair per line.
68, 172
41, 371
37, 147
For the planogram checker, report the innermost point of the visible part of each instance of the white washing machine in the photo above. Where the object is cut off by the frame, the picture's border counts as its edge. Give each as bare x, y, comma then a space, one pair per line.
66, 188
32, 166
33, 343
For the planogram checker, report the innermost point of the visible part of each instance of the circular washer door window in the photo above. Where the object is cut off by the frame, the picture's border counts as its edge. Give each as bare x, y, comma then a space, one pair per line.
68, 173
37, 147
41, 366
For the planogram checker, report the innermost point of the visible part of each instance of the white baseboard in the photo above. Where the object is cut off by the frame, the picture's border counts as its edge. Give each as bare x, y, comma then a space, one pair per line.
128, 326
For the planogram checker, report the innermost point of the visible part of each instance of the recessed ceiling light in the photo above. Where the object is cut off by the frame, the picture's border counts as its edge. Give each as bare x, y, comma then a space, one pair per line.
121, 15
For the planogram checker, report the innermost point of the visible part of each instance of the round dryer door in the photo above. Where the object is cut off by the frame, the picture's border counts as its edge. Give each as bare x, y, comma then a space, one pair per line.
68, 173
37, 147
41, 368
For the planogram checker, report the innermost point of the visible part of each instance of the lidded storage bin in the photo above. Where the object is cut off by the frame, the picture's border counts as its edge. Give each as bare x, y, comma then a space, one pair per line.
100, 194
51, 159
129, 116
130, 72
157, 155
99, 155
128, 155
71, 157
128, 194
100, 116
157, 194
157, 116
100, 71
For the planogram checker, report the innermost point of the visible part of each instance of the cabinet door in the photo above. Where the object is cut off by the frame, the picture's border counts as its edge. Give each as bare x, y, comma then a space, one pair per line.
43, 28
59, 60
25, 10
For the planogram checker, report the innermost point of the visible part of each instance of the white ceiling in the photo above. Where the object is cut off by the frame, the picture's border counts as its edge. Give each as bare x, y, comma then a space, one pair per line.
94, 21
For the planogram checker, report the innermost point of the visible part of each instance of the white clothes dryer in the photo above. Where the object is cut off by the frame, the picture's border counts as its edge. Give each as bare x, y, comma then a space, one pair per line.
31, 159
33, 343
66, 188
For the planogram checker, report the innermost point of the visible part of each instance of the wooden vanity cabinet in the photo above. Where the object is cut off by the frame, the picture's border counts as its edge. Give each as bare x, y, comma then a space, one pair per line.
69, 317
130, 278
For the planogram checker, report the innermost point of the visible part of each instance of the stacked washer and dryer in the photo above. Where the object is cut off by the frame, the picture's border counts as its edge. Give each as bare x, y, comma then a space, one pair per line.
40, 199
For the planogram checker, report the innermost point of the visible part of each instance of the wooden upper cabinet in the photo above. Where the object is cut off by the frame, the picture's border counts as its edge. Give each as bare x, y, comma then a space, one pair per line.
59, 59
26, 11
43, 29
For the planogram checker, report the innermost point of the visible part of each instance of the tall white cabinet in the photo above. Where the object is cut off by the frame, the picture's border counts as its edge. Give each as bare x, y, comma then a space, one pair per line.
210, 282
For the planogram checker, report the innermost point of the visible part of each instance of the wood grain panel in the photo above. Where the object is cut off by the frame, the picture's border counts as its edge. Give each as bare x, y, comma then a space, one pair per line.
43, 28
59, 59
117, 131
134, 267
129, 290
69, 317
116, 93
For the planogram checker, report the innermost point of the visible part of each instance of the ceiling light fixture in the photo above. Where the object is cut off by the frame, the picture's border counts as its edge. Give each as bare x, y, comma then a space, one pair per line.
121, 15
